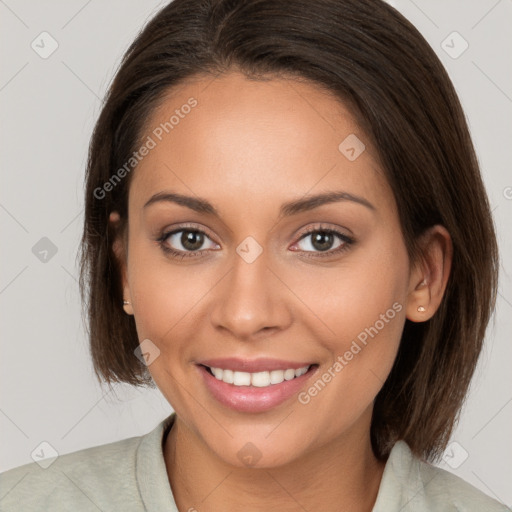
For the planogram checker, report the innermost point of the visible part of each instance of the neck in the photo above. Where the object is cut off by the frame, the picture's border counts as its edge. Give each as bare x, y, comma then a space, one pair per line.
342, 475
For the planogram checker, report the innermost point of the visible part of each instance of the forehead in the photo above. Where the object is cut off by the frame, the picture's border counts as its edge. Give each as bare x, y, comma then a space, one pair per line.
230, 136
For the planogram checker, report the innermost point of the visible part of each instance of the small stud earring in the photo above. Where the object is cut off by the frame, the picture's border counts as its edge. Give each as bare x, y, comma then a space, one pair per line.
421, 309
125, 303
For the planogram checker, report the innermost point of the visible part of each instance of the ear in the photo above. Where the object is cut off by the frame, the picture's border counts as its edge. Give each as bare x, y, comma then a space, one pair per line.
119, 249
429, 276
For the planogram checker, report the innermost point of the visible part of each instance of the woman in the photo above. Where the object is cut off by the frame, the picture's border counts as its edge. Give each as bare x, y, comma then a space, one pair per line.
287, 232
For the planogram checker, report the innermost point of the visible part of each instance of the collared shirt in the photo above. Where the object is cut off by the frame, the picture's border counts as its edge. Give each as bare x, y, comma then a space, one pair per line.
130, 475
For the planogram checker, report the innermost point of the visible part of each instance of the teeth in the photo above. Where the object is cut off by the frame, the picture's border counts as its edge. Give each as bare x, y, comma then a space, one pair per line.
300, 371
258, 379
228, 376
217, 372
289, 374
241, 379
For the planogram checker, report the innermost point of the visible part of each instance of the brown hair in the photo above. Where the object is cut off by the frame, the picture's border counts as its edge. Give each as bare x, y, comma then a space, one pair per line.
374, 60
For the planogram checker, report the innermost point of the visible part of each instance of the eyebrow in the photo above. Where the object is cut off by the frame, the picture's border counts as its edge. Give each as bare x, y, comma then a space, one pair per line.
287, 209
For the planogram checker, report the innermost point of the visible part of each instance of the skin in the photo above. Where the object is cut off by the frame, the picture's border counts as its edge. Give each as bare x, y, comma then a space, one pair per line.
248, 147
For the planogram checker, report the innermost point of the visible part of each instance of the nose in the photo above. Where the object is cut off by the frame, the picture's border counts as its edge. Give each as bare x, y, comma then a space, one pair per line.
251, 301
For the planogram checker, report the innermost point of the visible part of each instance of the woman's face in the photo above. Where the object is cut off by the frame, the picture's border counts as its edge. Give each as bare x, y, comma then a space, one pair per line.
266, 277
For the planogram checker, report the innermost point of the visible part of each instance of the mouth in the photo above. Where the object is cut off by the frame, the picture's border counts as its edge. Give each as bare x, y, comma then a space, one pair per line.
273, 384
260, 379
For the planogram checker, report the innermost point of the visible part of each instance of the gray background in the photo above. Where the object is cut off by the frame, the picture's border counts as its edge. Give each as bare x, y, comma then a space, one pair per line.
48, 108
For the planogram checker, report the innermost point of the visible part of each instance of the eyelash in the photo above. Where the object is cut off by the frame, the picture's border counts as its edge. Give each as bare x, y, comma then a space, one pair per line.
348, 242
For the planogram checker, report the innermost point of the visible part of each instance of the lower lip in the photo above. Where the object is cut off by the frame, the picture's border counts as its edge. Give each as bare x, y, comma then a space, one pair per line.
251, 398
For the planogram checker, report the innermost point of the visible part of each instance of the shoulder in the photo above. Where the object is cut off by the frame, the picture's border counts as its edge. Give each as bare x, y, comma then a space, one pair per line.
445, 488
82, 480
424, 487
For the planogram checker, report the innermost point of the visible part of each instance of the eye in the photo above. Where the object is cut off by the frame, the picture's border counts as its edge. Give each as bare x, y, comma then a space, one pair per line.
323, 242
189, 241
185, 242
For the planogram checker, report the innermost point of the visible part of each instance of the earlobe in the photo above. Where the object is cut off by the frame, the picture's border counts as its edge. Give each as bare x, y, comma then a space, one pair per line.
127, 306
430, 276
419, 304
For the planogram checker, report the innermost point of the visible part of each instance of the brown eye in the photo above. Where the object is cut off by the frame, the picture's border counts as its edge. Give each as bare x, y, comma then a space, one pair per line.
322, 240
191, 240
184, 240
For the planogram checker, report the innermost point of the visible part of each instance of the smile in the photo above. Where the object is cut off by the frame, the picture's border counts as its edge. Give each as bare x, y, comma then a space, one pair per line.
254, 386
257, 379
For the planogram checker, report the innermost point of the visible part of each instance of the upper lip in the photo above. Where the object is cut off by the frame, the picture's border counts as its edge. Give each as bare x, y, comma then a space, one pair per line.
252, 365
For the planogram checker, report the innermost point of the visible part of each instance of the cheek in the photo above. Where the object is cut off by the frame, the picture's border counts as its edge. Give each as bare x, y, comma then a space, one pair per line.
361, 355
362, 304
165, 295
373, 312
351, 297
